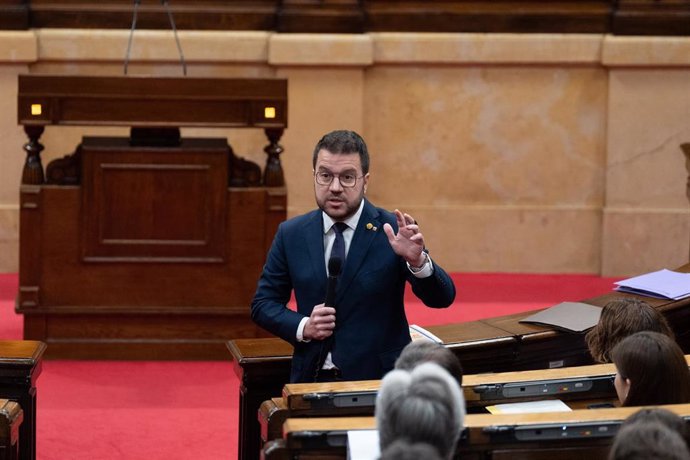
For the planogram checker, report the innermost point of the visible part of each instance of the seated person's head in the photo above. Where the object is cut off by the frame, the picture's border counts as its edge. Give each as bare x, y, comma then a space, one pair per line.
403, 450
650, 370
648, 440
663, 416
422, 351
619, 319
424, 406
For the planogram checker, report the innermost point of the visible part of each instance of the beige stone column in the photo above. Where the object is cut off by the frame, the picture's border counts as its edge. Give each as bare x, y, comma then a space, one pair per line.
18, 50
646, 216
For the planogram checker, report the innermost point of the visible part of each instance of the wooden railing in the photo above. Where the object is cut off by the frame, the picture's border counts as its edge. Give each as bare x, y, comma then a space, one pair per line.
626, 17
579, 387
564, 435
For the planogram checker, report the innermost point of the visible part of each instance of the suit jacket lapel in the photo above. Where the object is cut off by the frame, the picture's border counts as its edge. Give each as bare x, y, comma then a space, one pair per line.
313, 233
361, 241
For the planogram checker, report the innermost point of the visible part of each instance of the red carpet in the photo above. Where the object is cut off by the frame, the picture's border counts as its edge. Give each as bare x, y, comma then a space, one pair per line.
183, 410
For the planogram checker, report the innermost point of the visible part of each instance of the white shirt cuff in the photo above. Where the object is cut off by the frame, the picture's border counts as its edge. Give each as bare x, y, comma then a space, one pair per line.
425, 270
300, 330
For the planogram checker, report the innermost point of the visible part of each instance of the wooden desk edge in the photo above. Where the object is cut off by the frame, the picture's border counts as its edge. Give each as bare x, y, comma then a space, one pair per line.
477, 421
9, 357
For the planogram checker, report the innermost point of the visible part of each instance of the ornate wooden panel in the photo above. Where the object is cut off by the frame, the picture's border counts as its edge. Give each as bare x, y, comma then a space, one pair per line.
146, 247
154, 205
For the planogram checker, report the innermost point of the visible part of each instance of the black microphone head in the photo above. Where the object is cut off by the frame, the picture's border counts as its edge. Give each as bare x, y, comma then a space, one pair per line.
335, 264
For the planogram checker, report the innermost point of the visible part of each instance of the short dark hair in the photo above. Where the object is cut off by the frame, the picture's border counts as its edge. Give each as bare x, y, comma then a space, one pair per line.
648, 441
345, 142
664, 416
422, 351
620, 318
656, 368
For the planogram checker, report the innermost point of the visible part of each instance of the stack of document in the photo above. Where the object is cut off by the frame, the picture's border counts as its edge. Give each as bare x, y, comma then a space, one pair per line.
662, 284
530, 407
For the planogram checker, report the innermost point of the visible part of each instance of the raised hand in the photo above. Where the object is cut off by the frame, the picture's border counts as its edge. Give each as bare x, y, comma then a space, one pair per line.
408, 242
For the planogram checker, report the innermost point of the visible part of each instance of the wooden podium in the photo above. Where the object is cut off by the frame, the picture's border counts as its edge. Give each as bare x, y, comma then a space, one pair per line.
148, 246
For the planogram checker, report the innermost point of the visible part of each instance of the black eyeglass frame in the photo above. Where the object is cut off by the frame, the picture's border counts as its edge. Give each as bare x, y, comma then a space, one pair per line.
333, 176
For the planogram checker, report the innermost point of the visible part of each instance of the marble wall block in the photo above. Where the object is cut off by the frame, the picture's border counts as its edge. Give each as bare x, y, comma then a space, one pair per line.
542, 153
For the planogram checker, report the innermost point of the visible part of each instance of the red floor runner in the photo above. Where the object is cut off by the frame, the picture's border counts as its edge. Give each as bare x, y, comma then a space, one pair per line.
183, 410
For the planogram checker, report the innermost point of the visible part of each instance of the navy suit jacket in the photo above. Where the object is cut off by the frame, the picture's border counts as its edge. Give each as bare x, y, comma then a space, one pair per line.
371, 326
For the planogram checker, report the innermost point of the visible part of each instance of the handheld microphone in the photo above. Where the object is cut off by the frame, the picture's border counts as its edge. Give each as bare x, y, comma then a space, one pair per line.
335, 264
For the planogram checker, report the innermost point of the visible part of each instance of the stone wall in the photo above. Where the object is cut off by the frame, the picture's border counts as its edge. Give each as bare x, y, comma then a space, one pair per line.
540, 153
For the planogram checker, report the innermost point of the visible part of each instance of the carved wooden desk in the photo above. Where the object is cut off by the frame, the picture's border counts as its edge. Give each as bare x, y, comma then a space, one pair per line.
263, 367
499, 344
578, 386
565, 435
129, 246
20, 366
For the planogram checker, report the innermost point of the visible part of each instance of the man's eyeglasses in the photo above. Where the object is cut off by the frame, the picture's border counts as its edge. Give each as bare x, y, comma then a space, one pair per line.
346, 180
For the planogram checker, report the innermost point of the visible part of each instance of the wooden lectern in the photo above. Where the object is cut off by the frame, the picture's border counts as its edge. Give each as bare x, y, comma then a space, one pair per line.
148, 246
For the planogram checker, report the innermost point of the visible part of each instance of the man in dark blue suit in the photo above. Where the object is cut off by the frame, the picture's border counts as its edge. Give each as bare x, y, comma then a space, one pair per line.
360, 336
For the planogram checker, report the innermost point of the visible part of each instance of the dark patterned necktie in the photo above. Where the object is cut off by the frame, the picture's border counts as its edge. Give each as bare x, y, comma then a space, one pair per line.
338, 249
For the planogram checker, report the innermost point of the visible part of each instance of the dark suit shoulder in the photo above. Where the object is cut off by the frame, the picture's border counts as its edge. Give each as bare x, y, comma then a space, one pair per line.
297, 223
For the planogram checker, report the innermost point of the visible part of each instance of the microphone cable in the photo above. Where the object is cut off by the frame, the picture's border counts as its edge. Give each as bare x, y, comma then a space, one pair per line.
177, 40
131, 33
171, 20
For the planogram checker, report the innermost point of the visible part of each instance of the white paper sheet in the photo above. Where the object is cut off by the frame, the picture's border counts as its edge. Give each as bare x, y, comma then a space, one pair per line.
363, 445
530, 407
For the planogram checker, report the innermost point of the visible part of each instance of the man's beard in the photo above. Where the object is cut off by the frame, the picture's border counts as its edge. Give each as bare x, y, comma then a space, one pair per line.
350, 209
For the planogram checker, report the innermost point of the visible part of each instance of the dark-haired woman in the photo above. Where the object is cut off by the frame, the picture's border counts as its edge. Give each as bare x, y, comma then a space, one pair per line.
651, 370
619, 319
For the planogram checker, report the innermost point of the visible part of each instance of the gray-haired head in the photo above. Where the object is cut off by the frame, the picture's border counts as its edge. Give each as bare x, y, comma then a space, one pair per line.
422, 406
424, 351
404, 450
